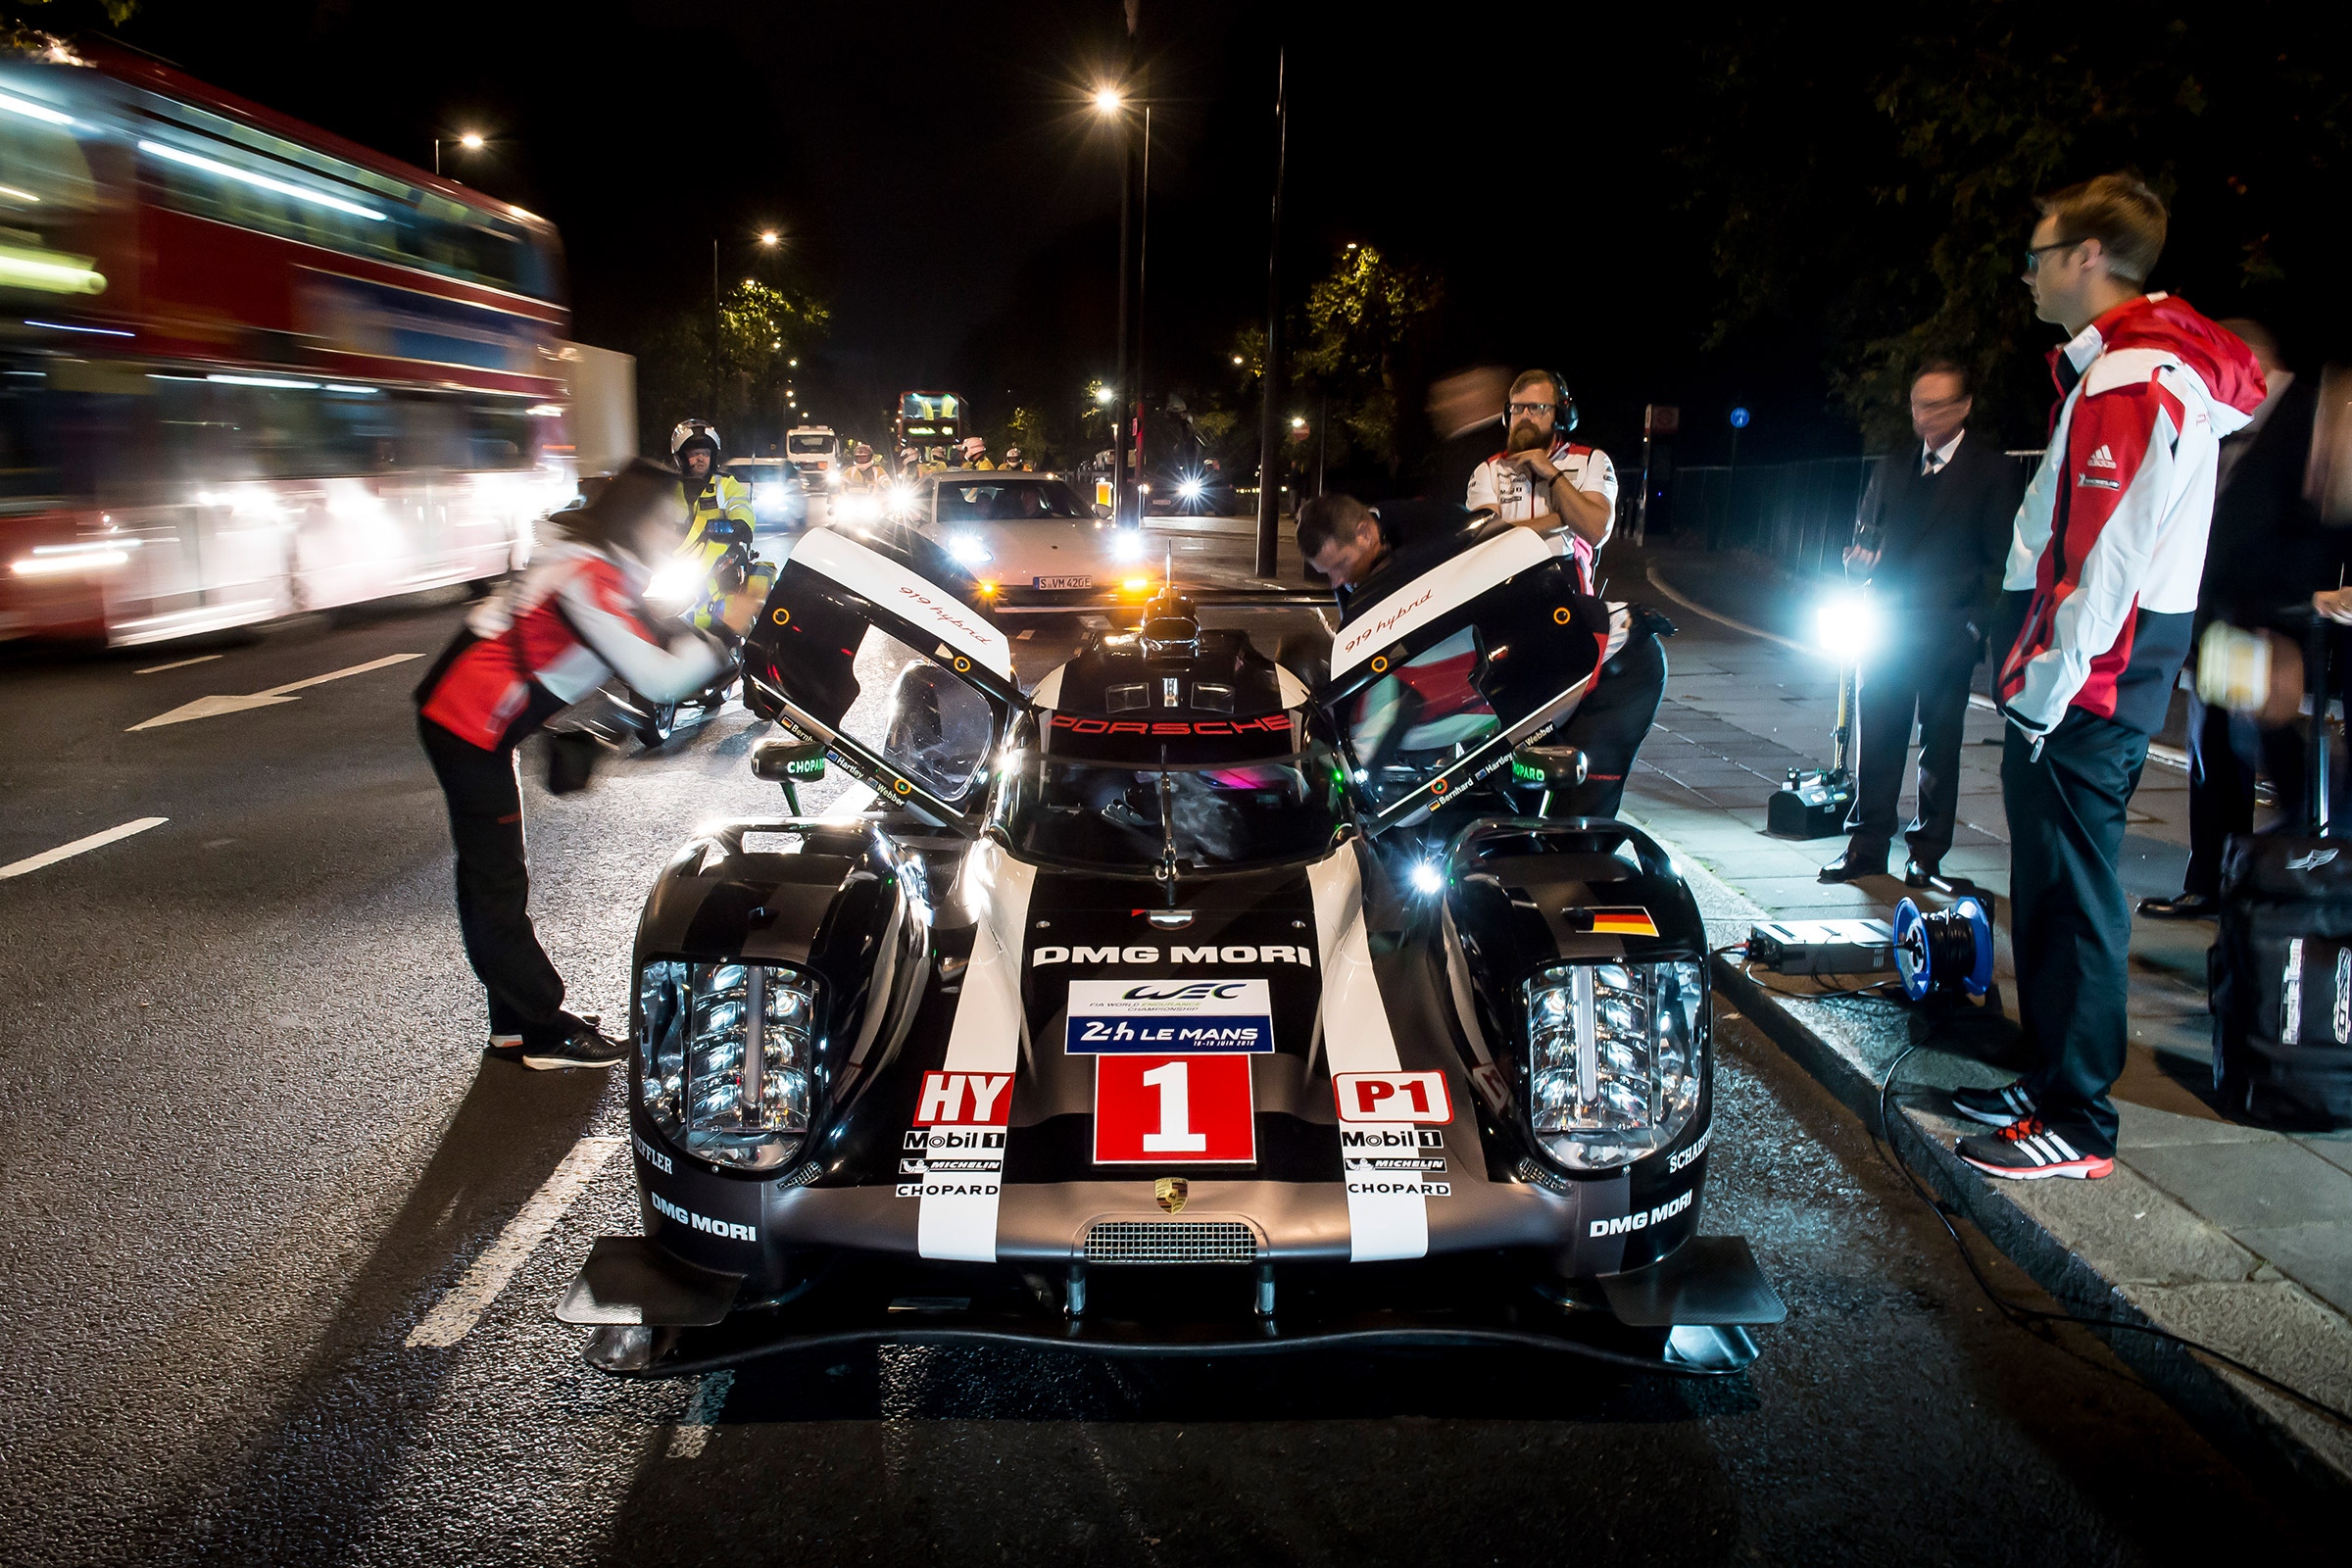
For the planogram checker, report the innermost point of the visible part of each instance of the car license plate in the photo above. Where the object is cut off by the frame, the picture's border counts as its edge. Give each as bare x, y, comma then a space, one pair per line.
1066, 582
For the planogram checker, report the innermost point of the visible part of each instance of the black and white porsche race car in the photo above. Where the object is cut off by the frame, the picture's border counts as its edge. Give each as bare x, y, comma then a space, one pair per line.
1171, 1005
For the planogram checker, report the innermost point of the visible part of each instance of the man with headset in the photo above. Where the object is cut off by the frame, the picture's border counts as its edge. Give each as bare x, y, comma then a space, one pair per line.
1542, 480
719, 533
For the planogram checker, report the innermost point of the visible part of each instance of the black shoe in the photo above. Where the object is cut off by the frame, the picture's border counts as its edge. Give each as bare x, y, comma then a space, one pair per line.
2181, 907
1994, 1107
580, 1047
1847, 868
2029, 1149
1916, 875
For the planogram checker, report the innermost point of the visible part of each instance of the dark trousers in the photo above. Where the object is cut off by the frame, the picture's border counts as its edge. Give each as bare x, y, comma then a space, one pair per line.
1925, 671
2221, 790
494, 885
2069, 920
1608, 725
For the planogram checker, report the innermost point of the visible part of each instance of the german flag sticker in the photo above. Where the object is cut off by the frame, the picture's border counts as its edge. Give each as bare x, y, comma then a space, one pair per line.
1631, 922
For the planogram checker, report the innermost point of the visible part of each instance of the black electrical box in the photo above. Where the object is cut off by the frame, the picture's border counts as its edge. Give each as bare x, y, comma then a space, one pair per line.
1822, 947
1811, 805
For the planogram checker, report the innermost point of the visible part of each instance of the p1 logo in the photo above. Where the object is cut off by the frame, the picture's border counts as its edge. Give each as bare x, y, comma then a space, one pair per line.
1392, 1097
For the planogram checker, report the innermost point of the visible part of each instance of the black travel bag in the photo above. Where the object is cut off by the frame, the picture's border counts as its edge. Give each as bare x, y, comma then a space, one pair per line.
2281, 968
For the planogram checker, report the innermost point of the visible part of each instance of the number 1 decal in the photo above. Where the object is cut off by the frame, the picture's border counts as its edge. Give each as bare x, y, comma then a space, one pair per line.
1173, 1080
1186, 1110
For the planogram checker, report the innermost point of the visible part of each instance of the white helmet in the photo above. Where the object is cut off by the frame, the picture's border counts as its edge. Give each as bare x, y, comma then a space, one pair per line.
686, 431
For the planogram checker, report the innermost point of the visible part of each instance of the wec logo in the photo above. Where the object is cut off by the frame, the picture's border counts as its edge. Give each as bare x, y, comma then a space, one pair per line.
1187, 991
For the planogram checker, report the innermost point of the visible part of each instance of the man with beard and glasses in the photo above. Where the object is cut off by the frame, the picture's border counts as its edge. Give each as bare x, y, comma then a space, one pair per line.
1542, 480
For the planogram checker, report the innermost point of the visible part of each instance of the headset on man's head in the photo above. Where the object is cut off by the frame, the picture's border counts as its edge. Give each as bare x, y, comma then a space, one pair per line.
1563, 406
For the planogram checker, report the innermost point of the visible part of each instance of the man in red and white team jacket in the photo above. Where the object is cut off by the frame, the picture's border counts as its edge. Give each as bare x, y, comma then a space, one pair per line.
538, 645
2106, 557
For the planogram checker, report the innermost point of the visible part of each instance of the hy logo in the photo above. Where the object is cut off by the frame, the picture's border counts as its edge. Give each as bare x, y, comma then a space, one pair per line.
2101, 458
2311, 860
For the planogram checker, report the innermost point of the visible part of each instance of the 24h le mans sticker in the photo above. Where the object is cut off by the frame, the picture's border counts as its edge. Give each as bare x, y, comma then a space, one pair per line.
1169, 1016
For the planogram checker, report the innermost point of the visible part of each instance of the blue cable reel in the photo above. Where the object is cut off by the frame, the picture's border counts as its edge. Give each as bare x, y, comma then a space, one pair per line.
1945, 952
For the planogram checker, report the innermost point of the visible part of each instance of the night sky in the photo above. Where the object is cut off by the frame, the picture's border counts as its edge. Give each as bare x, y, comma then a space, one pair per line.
947, 189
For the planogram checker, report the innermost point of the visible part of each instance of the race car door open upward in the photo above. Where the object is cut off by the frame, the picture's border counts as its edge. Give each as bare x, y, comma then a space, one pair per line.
875, 644
1438, 675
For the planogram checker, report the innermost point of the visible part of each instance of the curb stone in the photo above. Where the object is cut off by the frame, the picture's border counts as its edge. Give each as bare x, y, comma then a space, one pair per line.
2196, 1280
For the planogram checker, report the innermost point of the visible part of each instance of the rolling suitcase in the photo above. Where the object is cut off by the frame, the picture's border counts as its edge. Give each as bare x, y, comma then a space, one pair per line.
2281, 966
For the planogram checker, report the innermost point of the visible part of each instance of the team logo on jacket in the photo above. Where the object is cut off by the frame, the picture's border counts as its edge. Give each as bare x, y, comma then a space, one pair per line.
2101, 458
1170, 1192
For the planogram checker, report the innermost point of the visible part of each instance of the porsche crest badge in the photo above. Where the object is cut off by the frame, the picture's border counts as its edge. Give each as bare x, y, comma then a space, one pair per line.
1171, 1192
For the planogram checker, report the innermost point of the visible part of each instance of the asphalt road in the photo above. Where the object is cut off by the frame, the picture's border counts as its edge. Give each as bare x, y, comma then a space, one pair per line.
256, 1173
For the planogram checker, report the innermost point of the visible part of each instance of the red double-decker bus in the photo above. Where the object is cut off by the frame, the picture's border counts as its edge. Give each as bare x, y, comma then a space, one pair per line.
248, 369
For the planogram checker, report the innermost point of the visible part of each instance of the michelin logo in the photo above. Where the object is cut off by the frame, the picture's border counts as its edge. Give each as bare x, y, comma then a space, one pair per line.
720, 1228
1640, 1221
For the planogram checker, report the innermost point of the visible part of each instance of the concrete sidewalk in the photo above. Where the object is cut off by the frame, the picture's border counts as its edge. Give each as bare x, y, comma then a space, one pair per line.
2235, 1236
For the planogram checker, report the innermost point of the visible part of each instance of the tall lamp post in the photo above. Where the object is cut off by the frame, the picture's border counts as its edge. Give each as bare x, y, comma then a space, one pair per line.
769, 239
471, 140
1269, 427
1135, 220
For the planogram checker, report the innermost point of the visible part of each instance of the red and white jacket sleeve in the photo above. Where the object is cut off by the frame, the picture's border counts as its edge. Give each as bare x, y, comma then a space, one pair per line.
2115, 494
605, 616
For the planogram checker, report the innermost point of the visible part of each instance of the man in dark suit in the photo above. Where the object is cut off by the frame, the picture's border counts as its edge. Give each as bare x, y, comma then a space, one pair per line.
1932, 537
2266, 556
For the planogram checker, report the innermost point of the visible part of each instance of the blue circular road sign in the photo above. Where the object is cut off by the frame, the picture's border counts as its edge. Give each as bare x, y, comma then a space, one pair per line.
1739, 419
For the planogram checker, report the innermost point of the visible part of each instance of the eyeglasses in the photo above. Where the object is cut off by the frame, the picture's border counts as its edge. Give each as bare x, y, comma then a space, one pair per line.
1529, 410
2034, 252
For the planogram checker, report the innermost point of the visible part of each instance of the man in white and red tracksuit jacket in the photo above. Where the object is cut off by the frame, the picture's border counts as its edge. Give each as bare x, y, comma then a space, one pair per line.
575, 617
2104, 564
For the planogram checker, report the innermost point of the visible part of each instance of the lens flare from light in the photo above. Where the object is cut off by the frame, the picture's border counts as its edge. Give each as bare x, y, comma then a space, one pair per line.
1847, 627
1427, 878
1127, 544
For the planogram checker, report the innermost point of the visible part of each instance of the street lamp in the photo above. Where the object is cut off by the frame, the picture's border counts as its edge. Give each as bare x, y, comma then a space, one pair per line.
471, 140
768, 239
1134, 221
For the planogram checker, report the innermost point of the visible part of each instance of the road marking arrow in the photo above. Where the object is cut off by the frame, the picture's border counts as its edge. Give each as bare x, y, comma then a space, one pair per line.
215, 706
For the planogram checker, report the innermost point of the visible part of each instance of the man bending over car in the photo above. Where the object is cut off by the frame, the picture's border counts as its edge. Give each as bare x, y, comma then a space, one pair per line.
541, 643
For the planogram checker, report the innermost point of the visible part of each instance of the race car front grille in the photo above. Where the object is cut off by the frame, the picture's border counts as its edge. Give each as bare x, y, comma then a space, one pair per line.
1175, 1240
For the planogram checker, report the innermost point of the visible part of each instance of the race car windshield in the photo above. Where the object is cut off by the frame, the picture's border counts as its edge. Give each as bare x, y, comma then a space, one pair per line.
1007, 503
1131, 817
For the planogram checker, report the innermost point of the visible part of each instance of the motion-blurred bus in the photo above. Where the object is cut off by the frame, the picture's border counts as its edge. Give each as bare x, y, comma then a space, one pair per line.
927, 420
248, 369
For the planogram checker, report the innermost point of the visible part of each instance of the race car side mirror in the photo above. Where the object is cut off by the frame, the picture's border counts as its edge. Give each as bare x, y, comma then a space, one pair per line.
783, 761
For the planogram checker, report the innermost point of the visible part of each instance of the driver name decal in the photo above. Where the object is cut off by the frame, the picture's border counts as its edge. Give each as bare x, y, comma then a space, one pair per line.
1169, 1016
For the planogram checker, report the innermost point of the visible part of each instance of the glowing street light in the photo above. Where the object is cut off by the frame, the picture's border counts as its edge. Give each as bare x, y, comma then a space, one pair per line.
471, 141
768, 236
1110, 101
1104, 395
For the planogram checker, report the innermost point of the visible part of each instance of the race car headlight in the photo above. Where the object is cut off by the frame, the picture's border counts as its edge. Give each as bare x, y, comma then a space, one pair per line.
710, 1093
1615, 1054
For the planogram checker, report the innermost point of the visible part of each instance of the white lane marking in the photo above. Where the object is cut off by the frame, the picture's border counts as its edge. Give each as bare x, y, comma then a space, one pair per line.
178, 663
215, 706
702, 1413
384, 663
453, 1316
67, 852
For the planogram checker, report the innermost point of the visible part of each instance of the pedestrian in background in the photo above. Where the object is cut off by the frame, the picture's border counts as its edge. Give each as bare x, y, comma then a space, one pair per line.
1465, 413
1932, 539
2103, 564
2267, 558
